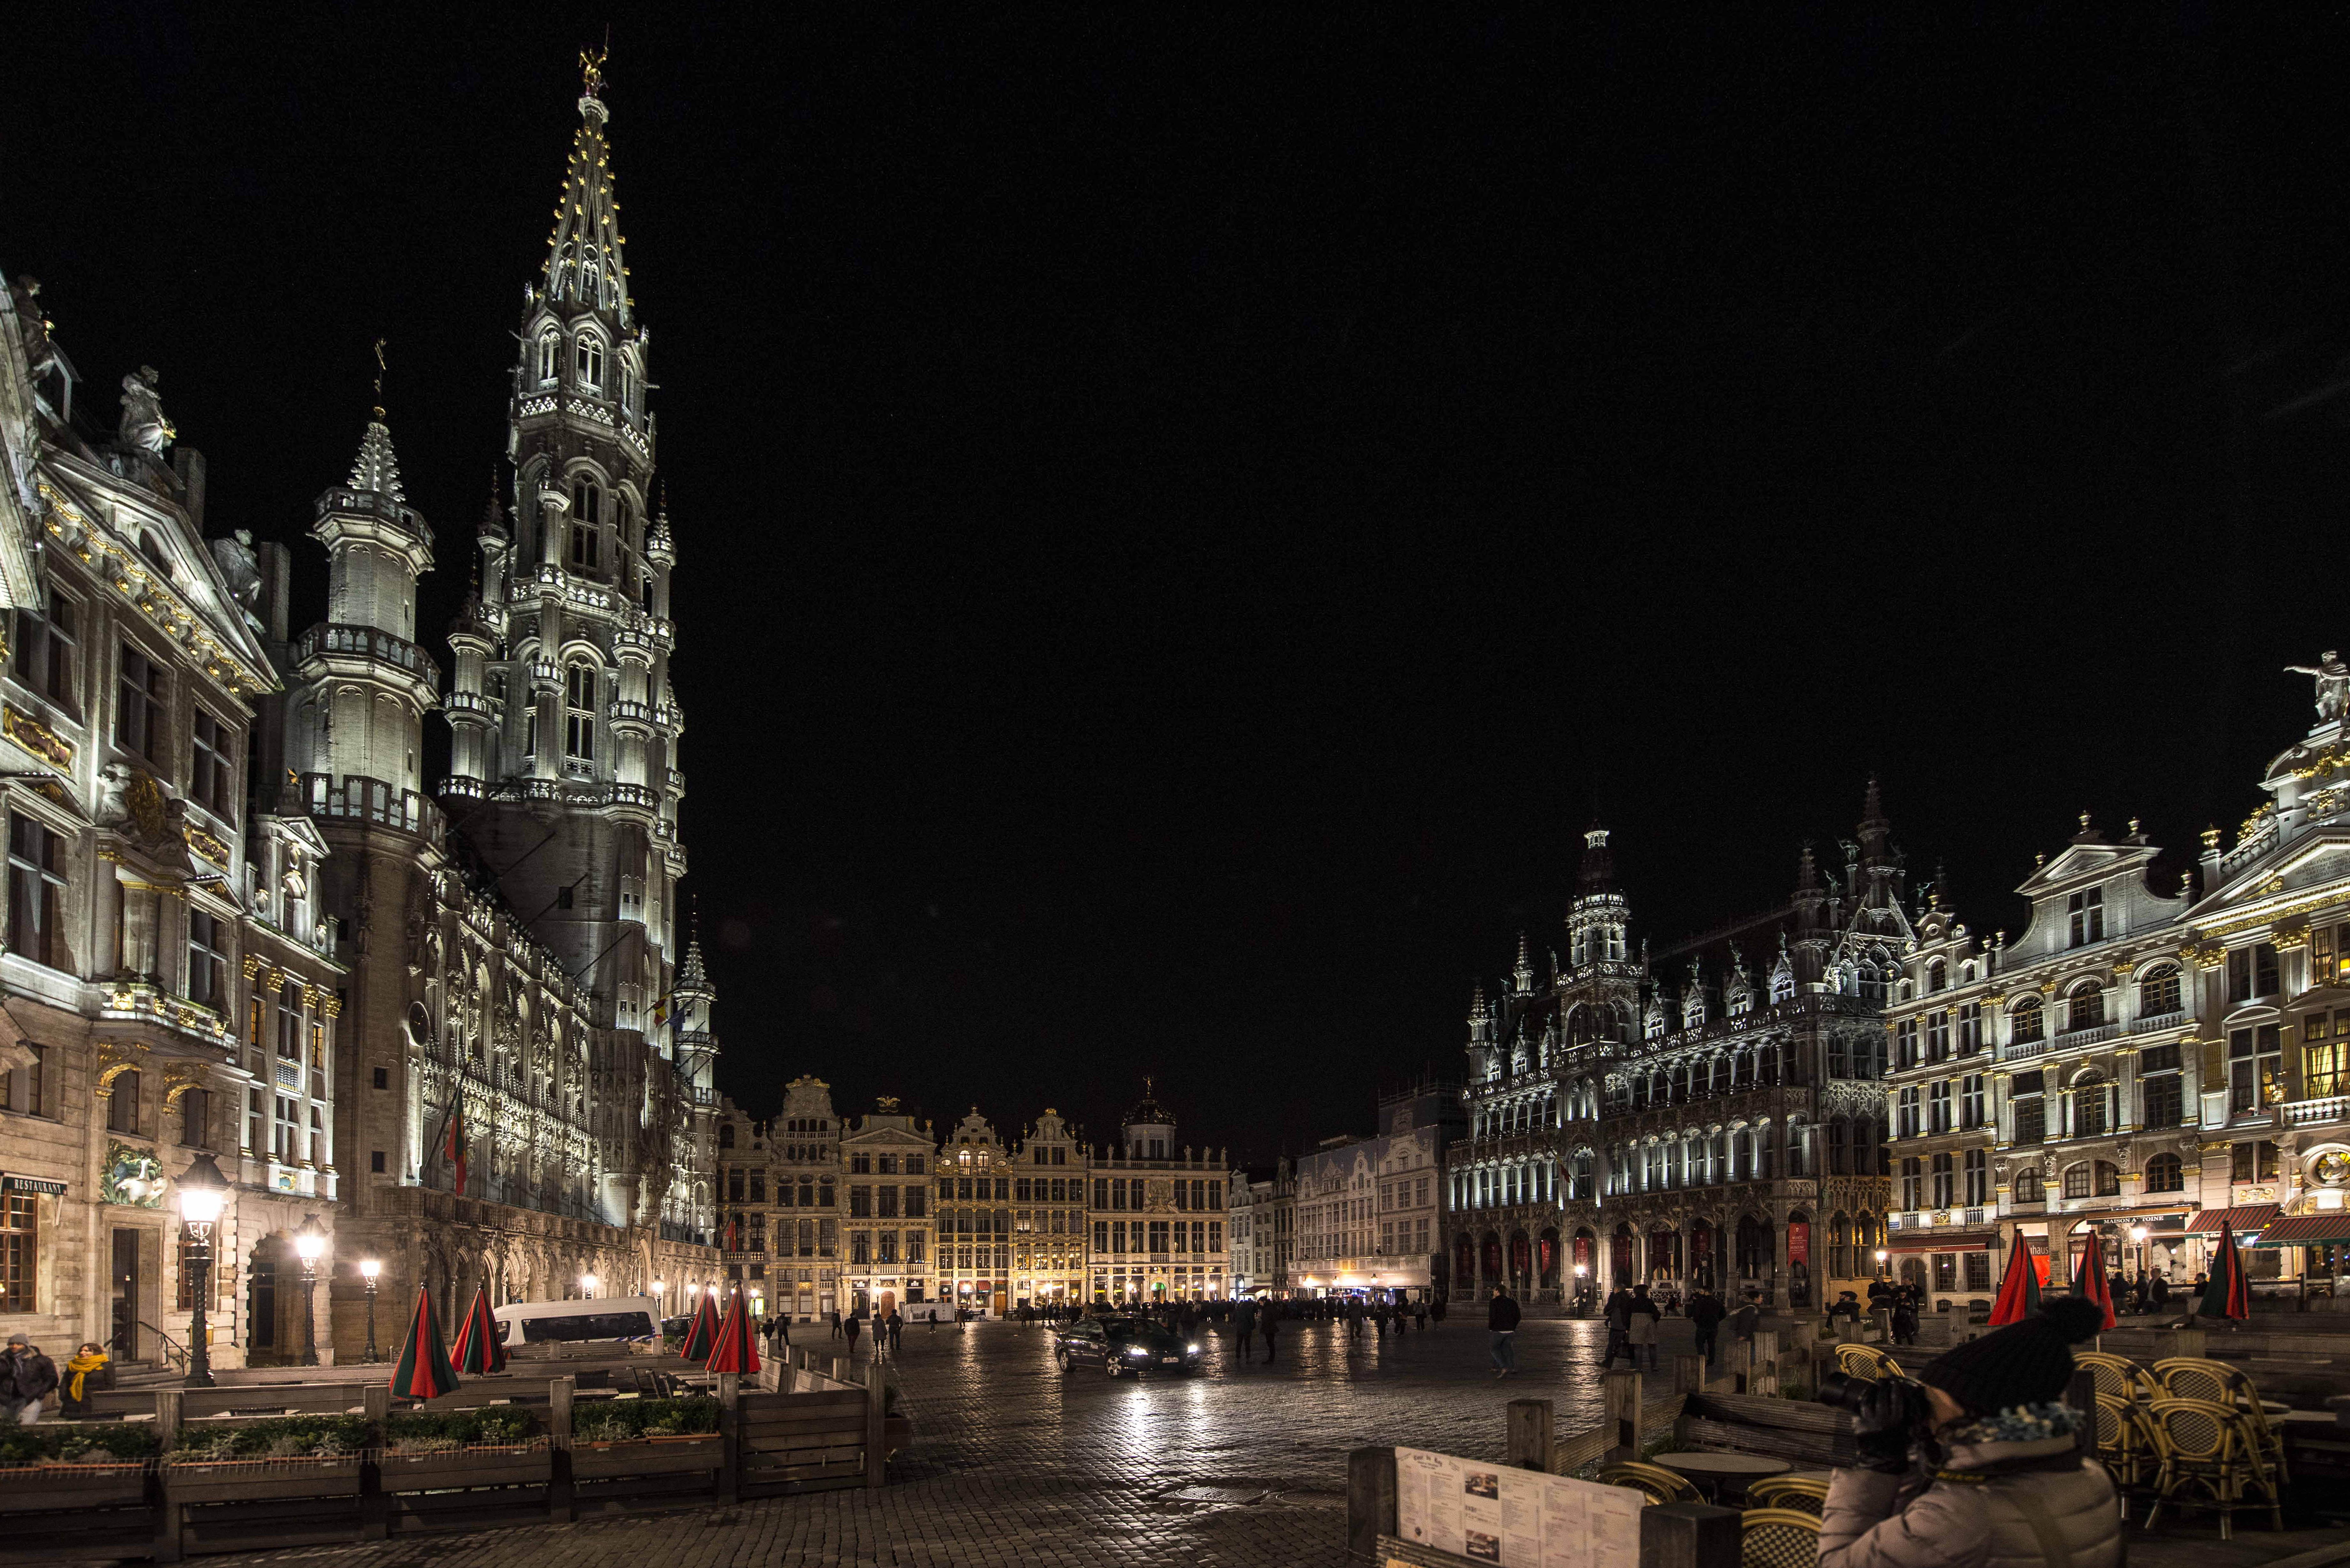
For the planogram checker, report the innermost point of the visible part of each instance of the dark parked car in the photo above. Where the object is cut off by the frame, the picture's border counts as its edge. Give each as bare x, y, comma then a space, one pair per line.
1118, 1344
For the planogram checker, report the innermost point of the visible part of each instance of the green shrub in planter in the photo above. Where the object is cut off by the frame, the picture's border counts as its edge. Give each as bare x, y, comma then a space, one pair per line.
109, 1443
434, 1431
620, 1420
278, 1438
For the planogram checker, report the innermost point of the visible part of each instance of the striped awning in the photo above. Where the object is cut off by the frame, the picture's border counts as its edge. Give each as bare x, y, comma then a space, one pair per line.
2242, 1218
1940, 1241
2307, 1231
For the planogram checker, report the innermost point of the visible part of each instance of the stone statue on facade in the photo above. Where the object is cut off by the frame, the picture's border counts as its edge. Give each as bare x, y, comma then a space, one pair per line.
2332, 678
240, 570
143, 426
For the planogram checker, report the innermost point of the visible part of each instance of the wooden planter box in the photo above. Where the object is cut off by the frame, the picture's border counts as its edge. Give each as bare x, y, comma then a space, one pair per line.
451, 1468
36, 1489
260, 1481
647, 1456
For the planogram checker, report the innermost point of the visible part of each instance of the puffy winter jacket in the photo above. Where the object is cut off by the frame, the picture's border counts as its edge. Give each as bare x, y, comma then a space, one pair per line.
1992, 1505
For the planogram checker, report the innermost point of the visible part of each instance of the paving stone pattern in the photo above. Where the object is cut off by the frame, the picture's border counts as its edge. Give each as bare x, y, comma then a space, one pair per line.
1014, 1462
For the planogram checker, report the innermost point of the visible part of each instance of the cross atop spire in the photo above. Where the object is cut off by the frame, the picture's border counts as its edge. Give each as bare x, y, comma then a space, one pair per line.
582, 260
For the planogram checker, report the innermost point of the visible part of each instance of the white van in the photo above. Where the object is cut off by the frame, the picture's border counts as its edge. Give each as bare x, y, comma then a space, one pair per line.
602, 1317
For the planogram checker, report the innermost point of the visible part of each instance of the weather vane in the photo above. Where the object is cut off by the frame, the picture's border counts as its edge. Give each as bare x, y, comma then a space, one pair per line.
379, 367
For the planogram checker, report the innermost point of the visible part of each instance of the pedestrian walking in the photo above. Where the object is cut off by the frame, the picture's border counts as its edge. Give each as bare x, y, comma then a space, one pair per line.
27, 1378
1243, 1329
836, 1323
1705, 1315
1419, 1316
1502, 1324
897, 1330
1904, 1319
1618, 1313
849, 1329
1640, 1326
1269, 1324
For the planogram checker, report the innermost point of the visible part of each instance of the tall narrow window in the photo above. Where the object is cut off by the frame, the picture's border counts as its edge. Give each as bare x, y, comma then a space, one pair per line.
37, 891
2157, 994
289, 1024
1969, 1028
122, 1103
550, 355
20, 1250
196, 1118
46, 647
2085, 917
586, 547
21, 1087
2252, 1056
139, 696
580, 719
1978, 1178
2084, 1006
207, 962
211, 784
589, 363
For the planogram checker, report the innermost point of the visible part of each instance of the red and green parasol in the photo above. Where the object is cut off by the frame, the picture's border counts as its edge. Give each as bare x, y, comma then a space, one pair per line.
2089, 1281
2226, 1294
478, 1352
2019, 1288
423, 1372
701, 1335
737, 1347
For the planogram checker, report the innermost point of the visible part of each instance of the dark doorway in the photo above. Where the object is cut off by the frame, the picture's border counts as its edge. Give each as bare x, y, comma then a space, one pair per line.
261, 1307
126, 1296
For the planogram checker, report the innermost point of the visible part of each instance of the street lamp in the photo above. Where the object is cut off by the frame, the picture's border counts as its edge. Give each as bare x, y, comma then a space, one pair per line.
368, 1269
203, 1193
1882, 1255
310, 1245
586, 1286
2137, 1235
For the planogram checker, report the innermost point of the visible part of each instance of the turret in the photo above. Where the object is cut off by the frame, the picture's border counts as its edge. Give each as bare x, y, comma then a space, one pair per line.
1596, 923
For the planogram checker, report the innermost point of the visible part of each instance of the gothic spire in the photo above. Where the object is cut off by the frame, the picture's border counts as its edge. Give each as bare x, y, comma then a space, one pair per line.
583, 255
376, 471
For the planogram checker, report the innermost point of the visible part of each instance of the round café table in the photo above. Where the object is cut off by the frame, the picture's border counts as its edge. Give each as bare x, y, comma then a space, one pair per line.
1708, 1471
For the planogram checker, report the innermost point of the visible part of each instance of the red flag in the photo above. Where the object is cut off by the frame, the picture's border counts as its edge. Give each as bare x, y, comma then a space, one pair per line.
2019, 1287
455, 1146
737, 1349
2090, 1282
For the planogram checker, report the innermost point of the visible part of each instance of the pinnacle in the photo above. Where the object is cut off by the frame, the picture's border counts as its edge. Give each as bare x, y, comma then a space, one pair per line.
375, 470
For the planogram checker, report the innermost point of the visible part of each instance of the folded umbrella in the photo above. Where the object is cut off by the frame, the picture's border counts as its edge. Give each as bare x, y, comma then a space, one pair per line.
479, 1353
737, 1348
423, 1372
2089, 1281
2019, 1287
2227, 1294
703, 1332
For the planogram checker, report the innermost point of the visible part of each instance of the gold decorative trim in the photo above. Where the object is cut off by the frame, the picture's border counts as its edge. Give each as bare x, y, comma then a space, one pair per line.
35, 737
205, 844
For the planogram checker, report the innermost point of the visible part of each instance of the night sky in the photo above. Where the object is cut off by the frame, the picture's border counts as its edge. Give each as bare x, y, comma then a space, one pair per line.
1184, 519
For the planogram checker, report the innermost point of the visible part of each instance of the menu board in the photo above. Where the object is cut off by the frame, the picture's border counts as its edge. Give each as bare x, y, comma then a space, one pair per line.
1520, 1519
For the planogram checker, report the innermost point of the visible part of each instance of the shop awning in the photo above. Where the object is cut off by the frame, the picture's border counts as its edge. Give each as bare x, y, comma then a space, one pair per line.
2308, 1230
2242, 1218
1906, 1241
10, 1183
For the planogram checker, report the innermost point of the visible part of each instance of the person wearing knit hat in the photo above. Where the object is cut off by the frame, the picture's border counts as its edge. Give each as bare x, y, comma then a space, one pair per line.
2004, 1484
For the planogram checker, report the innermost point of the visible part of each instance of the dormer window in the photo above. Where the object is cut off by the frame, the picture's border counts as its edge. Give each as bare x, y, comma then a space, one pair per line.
2085, 917
588, 363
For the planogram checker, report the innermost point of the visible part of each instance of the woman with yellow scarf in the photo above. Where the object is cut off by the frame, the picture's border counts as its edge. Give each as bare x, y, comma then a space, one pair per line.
89, 1371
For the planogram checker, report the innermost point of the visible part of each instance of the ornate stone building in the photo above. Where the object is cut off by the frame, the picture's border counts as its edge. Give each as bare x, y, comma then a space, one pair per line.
171, 988
1158, 1214
1368, 1210
778, 1196
1048, 1216
1626, 1126
528, 1099
886, 1172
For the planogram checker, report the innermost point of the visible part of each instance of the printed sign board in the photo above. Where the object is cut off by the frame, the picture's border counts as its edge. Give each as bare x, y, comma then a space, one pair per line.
1490, 1512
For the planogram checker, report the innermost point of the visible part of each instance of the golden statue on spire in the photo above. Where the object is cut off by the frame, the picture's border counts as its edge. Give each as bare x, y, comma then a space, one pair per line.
379, 368
591, 70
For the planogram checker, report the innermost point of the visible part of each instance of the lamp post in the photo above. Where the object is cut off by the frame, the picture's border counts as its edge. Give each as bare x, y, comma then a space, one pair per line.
368, 1269
587, 1287
1882, 1256
203, 1193
310, 1245
2137, 1235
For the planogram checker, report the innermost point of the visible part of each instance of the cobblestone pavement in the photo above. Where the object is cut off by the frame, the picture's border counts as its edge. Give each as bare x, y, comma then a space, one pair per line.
1014, 1462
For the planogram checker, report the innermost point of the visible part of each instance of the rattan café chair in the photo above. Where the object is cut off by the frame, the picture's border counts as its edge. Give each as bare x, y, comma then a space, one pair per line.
2131, 1449
1865, 1361
1778, 1537
2216, 1382
1806, 1494
2210, 1459
2120, 1376
1654, 1481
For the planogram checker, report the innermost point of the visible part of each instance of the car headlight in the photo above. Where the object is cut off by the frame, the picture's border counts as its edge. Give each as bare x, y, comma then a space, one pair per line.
1138, 1351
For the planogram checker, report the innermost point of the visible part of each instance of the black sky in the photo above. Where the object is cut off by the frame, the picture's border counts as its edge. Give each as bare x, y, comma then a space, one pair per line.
1183, 517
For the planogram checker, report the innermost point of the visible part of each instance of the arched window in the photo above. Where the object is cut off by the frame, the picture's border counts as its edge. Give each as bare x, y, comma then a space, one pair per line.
631, 388
2084, 1006
2157, 993
550, 357
2025, 1022
2027, 1187
2109, 1179
587, 362
1839, 1141
1937, 977
586, 501
579, 686
591, 284
2076, 1180
2163, 1173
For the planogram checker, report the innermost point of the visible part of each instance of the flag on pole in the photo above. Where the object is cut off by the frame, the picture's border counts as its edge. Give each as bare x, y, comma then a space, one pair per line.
2089, 1281
737, 1347
2019, 1287
701, 1337
2227, 1294
423, 1372
479, 1353
455, 1148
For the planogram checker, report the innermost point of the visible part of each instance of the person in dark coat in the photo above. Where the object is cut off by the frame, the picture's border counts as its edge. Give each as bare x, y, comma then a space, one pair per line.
88, 1373
1269, 1322
1905, 1318
849, 1329
1705, 1315
1502, 1324
1619, 1324
836, 1323
26, 1376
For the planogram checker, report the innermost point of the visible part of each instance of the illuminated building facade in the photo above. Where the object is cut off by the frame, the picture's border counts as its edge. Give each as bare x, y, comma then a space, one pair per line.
779, 1216
1369, 1211
1158, 1214
892, 1257
1048, 1215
